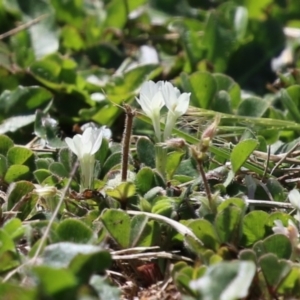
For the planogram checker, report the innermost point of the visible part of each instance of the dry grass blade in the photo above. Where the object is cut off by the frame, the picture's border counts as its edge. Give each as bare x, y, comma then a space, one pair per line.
151, 255
182, 229
22, 27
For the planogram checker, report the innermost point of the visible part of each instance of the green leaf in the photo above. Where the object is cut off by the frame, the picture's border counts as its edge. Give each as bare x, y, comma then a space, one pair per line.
206, 233
59, 170
218, 41
128, 82
122, 192
14, 291
237, 202
18, 155
226, 280
8, 260
226, 83
223, 102
111, 161
253, 107
43, 163
240, 22
150, 236
241, 152
248, 254
16, 192
5, 144
72, 230
289, 286
274, 270
14, 123
202, 86
59, 255
277, 244
43, 34
3, 165
17, 172
173, 161
228, 225
69, 11
46, 128
183, 279
165, 206
14, 228
102, 153
84, 266
41, 174
254, 227
7, 243
49, 286
144, 180
104, 290
23, 99
275, 189
71, 38
66, 159
256, 9
116, 15
117, 224
288, 99
138, 224
146, 152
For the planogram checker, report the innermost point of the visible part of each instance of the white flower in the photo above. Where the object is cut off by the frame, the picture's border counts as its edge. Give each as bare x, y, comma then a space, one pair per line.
291, 231
151, 101
294, 197
177, 105
85, 146
87, 143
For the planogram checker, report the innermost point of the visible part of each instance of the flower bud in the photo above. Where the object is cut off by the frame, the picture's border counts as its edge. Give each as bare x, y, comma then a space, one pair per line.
210, 131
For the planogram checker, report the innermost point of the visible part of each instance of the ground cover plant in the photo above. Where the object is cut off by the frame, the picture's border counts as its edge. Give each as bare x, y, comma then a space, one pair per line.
149, 149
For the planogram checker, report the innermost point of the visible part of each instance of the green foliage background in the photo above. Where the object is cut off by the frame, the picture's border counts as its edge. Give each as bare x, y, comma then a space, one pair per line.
85, 56
66, 63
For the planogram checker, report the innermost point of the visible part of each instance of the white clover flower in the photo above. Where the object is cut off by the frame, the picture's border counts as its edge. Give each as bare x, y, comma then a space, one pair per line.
85, 146
291, 231
151, 102
177, 105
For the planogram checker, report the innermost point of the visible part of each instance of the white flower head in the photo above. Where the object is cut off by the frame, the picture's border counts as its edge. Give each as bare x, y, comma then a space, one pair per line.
87, 143
176, 102
151, 101
85, 146
291, 231
177, 105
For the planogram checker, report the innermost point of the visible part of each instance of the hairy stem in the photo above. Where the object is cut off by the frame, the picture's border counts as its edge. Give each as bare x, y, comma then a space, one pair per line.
206, 185
126, 141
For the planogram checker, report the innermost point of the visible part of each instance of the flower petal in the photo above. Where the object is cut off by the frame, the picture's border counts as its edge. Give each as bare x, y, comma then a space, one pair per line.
98, 135
183, 104
149, 88
87, 135
77, 140
71, 145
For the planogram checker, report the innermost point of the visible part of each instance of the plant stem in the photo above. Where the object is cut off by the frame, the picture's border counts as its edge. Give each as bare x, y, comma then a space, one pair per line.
126, 141
206, 185
161, 159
